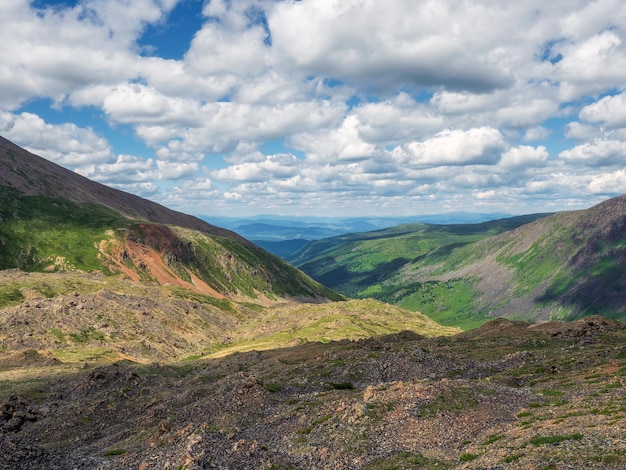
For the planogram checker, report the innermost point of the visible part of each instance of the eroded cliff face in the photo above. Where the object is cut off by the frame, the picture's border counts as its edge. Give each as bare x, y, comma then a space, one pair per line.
215, 266
154, 253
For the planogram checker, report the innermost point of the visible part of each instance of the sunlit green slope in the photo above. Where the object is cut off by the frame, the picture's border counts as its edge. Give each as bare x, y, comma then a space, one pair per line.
562, 266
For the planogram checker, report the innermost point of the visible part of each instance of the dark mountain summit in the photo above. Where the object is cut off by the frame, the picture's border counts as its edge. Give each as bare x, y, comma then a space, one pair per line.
32, 175
54, 219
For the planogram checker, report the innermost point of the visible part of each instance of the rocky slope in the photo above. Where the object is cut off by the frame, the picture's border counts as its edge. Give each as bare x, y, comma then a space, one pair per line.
505, 396
78, 317
32, 175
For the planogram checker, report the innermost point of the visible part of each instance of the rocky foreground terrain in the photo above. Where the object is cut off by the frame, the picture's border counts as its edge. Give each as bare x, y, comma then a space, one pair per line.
504, 396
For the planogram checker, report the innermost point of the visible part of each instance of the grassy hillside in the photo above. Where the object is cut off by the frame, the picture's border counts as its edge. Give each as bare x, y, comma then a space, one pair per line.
566, 266
361, 265
80, 317
295, 324
559, 267
40, 233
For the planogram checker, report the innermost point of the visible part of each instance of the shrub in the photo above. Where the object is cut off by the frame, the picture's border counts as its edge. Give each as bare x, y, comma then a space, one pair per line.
341, 385
468, 457
541, 440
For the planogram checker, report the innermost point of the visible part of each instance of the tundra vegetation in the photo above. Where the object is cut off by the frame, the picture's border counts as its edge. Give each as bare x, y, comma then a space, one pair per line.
132, 336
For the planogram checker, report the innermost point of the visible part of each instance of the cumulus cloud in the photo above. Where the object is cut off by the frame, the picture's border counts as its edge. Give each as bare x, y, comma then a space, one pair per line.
537, 133
594, 65
343, 143
273, 167
66, 144
400, 105
608, 183
396, 120
579, 131
598, 153
393, 44
524, 156
227, 124
124, 170
524, 114
610, 111
450, 102
454, 147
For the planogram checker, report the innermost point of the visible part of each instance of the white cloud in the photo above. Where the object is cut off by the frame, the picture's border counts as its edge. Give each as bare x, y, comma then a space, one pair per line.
591, 17
124, 170
140, 104
273, 167
395, 43
450, 102
490, 194
578, 131
537, 133
66, 144
610, 111
175, 170
454, 147
130, 169
556, 183
396, 120
232, 196
524, 156
231, 46
608, 183
226, 124
526, 113
343, 143
598, 153
597, 64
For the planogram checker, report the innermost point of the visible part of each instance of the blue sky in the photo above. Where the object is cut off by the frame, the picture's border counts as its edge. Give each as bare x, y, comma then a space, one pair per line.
324, 107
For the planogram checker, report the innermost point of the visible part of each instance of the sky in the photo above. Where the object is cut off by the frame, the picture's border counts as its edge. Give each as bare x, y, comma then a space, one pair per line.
324, 107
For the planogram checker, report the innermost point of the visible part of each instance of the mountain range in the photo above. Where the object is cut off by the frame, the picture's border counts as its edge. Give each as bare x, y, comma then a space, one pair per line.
134, 336
84, 265
271, 230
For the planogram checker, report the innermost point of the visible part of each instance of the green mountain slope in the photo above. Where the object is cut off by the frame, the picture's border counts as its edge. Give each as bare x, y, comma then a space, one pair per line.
563, 266
89, 273
359, 264
53, 219
39, 233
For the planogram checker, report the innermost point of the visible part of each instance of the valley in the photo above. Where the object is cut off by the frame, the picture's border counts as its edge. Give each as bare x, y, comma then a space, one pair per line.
134, 336
532, 268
